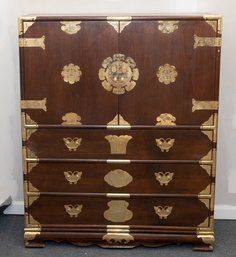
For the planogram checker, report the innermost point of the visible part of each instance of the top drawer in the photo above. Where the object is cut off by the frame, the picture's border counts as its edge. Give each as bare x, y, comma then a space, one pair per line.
126, 144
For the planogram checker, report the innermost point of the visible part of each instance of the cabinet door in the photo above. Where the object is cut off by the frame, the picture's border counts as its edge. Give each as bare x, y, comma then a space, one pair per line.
60, 62
177, 64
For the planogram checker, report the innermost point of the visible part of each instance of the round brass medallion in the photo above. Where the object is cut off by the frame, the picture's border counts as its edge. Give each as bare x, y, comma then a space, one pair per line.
118, 74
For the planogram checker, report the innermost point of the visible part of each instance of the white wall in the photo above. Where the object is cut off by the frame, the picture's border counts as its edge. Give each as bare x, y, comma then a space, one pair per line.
10, 154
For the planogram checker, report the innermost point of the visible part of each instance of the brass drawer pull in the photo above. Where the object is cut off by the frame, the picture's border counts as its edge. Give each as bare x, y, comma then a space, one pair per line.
72, 176
73, 210
163, 212
72, 143
165, 144
164, 178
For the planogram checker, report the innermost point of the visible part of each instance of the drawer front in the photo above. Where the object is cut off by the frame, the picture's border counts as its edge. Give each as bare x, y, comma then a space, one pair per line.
48, 210
115, 178
93, 144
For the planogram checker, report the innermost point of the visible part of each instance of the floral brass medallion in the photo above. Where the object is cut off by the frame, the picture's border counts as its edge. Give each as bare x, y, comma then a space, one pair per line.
167, 27
70, 27
167, 74
118, 74
166, 119
71, 73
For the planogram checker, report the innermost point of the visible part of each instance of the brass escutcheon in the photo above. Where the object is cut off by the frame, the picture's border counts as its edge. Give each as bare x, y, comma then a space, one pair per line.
165, 144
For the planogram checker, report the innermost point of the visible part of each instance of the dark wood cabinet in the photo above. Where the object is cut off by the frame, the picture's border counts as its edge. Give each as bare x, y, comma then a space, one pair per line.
119, 129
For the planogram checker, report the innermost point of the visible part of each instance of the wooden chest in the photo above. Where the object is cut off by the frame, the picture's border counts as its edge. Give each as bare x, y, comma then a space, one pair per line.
119, 129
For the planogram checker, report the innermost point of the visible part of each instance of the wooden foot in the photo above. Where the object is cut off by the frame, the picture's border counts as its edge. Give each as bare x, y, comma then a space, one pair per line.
203, 247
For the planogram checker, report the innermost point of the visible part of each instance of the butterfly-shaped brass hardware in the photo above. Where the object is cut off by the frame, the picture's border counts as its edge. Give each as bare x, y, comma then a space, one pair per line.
72, 143
165, 144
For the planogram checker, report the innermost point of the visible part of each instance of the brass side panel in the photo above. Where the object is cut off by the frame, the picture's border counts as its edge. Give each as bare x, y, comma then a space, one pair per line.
167, 27
34, 104
118, 211
118, 178
204, 105
70, 27
118, 144
32, 42
207, 41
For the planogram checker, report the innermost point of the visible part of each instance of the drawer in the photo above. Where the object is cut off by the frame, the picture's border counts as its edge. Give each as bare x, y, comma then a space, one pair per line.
107, 144
76, 210
122, 178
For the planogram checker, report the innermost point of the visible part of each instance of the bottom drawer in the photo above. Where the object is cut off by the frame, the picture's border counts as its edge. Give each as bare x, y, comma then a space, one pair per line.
145, 211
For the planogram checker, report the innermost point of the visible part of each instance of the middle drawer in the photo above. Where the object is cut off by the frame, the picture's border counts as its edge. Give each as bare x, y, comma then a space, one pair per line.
125, 144
119, 178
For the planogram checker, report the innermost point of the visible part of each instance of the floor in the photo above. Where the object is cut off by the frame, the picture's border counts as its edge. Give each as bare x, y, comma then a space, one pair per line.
12, 245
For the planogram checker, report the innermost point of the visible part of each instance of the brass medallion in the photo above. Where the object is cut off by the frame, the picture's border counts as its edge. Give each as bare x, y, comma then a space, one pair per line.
118, 178
164, 178
118, 144
71, 118
71, 73
118, 74
72, 176
73, 210
118, 211
70, 27
167, 74
165, 144
72, 143
163, 212
167, 27
166, 119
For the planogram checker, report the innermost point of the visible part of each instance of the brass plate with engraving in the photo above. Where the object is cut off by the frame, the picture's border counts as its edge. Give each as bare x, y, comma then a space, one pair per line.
204, 105
207, 41
164, 177
163, 211
165, 144
34, 104
32, 42
73, 210
70, 27
71, 73
118, 74
166, 119
118, 211
167, 27
71, 118
167, 74
118, 178
72, 143
72, 176
118, 144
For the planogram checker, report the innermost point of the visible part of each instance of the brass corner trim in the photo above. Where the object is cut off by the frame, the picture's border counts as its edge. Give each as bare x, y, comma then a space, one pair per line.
24, 22
27, 130
207, 41
32, 188
32, 42
207, 224
119, 23
34, 104
206, 239
207, 168
31, 165
209, 134
204, 105
119, 18
30, 236
206, 191
215, 21
32, 197
24, 163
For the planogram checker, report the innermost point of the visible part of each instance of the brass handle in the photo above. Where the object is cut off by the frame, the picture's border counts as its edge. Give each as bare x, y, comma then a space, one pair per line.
163, 212
164, 178
73, 210
72, 143
118, 144
165, 144
72, 177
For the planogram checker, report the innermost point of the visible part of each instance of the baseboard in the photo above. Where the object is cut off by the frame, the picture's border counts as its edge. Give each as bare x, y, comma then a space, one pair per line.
224, 212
